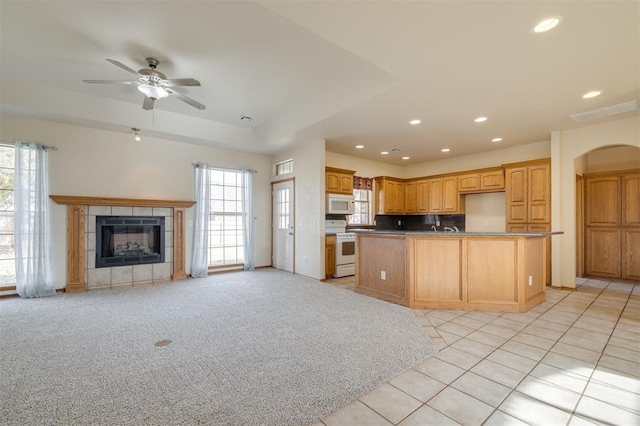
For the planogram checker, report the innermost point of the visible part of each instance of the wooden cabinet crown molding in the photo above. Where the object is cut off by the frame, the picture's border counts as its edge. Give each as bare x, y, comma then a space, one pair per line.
118, 201
341, 171
546, 160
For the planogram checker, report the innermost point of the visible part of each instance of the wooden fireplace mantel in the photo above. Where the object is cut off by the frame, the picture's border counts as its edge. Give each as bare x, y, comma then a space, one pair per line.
75, 232
118, 201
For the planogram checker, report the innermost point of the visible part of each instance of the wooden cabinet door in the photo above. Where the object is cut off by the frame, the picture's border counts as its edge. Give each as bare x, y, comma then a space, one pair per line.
602, 201
422, 196
346, 184
469, 183
332, 182
398, 196
603, 252
631, 200
435, 195
544, 228
539, 194
410, 197
450, 195
330, 256
516, 194
493, 180
631, 254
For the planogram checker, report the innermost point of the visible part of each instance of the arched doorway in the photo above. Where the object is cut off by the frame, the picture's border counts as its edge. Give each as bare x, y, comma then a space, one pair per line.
607, 206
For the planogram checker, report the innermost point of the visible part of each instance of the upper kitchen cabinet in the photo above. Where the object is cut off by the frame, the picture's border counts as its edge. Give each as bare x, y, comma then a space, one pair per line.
339, 181
444, 196
603, 200
486, 180
411, 197
389, 195
631, 199
528, 192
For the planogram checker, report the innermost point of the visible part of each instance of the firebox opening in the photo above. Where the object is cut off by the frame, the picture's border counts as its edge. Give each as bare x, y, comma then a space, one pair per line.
129, 240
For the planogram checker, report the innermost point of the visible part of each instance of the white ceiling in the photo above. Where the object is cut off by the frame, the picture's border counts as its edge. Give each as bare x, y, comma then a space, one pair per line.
350, 72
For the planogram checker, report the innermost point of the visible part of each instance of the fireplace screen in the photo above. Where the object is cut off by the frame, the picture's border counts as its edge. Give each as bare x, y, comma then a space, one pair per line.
129, 240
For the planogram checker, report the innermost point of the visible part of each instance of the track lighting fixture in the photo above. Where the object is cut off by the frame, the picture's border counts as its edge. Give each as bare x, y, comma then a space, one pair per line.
136, 136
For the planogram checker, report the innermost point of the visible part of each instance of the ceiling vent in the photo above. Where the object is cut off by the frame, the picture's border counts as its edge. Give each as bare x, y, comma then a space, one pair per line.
605, 112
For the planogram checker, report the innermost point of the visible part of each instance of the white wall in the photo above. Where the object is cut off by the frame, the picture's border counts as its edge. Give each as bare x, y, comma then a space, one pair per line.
485, 212
614, 158
362, 167
491, 158
102, 163
566, 147
308, 172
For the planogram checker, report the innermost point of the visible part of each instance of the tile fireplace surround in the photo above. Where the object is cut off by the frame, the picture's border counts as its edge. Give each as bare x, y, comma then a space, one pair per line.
81, 220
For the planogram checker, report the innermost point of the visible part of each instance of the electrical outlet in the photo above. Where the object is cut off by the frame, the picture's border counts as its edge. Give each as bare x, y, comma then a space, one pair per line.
530, 280
383, 275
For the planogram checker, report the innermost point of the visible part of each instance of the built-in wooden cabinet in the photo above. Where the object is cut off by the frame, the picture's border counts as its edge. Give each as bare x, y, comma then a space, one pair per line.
528, 198
330, 255
339, 181
612, 224
488, 180
389, 195
411, 197
422, 196
528, 193
444, 197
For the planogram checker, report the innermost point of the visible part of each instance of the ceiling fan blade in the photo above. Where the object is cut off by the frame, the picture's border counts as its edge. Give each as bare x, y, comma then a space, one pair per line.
185, 98
182, 82
147, 104
133, 83
123, 66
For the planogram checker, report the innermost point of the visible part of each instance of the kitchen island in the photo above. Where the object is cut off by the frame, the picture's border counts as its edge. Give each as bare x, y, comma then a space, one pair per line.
482, 271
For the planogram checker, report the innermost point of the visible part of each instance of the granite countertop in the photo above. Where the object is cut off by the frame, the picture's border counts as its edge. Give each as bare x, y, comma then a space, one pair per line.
454, 234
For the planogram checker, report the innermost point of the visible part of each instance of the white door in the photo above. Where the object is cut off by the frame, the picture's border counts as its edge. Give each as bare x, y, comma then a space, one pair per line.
283, 222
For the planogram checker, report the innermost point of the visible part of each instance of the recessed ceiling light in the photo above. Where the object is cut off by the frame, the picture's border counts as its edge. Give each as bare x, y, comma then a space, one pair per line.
384, 152
591, 94
406, 158
359, 146
496, 140
546, 24
480, 119
445, 150
416, 121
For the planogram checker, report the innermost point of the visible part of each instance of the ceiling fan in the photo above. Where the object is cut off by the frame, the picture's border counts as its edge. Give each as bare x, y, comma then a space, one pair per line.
154, 84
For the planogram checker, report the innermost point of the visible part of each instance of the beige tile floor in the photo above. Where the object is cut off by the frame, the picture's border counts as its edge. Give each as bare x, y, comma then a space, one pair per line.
573, 360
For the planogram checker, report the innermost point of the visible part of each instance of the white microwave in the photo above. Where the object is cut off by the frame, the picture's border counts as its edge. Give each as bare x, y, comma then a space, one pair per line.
340, 204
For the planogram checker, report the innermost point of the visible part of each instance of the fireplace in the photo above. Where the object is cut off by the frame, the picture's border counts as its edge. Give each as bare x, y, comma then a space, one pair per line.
129, 240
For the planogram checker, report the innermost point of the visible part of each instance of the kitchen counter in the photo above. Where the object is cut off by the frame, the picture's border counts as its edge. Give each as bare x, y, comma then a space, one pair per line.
453, 234
484, 271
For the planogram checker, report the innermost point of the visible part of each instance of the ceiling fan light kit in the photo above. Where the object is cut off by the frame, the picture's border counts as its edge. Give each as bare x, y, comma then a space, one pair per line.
154, 84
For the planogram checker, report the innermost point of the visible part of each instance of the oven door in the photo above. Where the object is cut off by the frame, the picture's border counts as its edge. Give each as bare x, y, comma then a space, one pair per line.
345, 255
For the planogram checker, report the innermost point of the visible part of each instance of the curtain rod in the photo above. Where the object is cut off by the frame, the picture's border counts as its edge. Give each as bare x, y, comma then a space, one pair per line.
224, 168
53, 148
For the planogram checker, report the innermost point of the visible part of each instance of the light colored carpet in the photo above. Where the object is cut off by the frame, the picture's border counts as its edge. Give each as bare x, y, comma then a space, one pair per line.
250, 348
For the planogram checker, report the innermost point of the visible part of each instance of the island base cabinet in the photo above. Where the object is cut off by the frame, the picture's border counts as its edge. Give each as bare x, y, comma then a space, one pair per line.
478, 273
381, 268
431, 281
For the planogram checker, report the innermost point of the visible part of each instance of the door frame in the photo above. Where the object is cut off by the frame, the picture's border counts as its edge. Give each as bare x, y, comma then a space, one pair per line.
293, 220
580, 249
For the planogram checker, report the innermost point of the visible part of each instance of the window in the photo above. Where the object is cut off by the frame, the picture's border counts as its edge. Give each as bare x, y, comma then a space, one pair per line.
226, 226
7, 251
362, 207
284, 167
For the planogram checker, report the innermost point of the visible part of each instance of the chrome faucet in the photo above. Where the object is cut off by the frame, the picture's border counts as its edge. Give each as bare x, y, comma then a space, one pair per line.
433, 228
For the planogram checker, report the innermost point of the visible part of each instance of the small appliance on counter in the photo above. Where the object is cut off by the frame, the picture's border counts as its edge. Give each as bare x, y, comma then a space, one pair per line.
345, 247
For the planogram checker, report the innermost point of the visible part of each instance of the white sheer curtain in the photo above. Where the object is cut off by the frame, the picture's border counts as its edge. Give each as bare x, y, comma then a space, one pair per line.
31, 222
199, 256
249, 235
